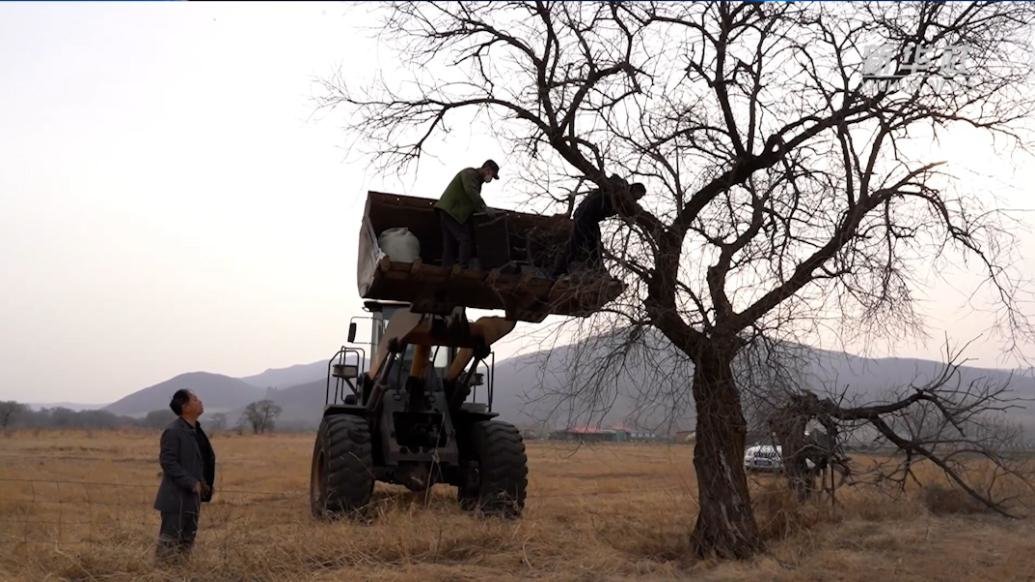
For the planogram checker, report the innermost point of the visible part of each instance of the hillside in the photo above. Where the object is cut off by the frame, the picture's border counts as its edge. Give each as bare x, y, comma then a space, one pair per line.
869, 379
220, 394
537, 388
281, 378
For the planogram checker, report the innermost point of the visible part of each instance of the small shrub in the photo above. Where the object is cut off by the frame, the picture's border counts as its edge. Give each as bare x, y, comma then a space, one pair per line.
942, 500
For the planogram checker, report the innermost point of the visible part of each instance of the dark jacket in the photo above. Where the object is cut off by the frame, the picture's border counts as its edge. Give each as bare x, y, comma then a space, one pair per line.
186, 457
463, 195
594, 208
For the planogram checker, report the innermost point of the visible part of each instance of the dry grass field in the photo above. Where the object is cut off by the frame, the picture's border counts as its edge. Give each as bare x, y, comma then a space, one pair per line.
602, 512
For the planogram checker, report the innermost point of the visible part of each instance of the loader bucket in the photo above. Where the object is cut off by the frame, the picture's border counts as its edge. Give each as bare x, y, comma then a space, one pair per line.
516, 252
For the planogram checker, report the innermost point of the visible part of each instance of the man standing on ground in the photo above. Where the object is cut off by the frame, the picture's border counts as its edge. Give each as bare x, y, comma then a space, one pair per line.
188, 474
461, 199
584, 245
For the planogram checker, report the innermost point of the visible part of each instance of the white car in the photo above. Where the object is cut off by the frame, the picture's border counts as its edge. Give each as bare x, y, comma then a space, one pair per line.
763, 458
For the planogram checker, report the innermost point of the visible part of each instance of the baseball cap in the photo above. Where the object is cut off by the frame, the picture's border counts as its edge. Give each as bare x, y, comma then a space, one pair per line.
492, 165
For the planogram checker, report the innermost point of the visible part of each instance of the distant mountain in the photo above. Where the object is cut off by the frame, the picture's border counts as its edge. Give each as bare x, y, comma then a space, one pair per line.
870, 379
219, 393
526, 393
536, 388
291, 376
549, 388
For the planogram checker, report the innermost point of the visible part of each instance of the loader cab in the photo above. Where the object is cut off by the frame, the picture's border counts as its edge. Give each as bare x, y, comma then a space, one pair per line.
346, 376
380, 312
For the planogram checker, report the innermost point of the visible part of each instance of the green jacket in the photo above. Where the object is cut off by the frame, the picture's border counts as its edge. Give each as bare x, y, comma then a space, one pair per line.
463, 195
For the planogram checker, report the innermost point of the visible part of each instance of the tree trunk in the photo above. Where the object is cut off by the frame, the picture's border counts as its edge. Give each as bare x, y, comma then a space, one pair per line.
726, 525
789, 428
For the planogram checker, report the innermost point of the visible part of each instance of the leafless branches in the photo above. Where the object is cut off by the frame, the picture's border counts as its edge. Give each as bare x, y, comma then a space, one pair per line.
956, 424
761, 143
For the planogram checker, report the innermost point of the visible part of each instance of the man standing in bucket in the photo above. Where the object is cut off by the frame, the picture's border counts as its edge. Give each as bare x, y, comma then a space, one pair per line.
188, 474
461, 199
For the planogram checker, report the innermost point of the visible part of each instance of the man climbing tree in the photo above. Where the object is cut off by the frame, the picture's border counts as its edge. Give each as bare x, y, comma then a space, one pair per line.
585, 246
792, 179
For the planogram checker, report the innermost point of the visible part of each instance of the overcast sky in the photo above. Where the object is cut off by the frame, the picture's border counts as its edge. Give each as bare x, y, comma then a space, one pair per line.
170, 200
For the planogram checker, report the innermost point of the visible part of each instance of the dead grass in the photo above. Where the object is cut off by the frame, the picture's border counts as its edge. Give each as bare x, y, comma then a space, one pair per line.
943, 500
594, 512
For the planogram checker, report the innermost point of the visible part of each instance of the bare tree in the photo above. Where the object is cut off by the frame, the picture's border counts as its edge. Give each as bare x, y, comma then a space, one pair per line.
786, 192
261, 415
217, 421
9, 412
957, 425
158, 418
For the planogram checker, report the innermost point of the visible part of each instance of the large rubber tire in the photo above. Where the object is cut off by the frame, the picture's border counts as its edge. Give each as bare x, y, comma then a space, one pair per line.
495, 470
342, 477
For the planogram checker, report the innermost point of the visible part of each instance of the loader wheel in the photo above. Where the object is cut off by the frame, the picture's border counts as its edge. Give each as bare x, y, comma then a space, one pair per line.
342, 477
495, 471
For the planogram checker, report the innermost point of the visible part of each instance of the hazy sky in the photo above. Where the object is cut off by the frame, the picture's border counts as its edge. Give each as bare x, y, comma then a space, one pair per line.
171, 201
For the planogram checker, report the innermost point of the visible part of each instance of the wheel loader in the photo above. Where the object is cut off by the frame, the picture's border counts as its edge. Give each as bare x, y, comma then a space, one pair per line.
412, 403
